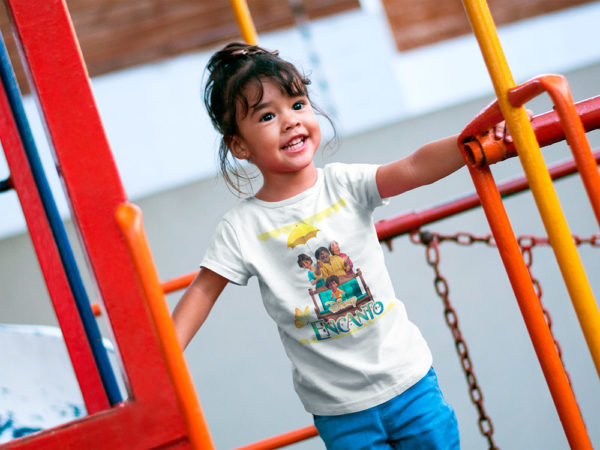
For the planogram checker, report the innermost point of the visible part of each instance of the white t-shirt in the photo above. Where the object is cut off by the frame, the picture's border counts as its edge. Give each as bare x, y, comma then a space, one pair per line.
353, 347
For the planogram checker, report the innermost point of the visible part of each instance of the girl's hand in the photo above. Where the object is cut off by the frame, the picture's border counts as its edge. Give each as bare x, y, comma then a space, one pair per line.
501, 130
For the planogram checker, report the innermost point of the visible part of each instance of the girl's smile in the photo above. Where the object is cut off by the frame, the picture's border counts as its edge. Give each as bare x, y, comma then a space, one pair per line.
297, 144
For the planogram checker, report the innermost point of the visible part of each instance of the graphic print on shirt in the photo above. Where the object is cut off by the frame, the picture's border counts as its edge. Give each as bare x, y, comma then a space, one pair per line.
336, 289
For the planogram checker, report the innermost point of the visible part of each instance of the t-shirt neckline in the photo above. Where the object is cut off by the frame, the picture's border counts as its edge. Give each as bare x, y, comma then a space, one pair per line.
296, 198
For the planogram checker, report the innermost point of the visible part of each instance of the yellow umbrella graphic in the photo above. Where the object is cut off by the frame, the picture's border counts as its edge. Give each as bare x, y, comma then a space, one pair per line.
301, 233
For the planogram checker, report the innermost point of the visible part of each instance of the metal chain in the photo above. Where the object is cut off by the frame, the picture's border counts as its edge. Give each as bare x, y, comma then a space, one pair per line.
526, 244
432, 253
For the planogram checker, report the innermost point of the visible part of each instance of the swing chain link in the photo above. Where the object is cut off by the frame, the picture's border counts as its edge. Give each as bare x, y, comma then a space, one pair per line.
526, 244
593, 240
431, 242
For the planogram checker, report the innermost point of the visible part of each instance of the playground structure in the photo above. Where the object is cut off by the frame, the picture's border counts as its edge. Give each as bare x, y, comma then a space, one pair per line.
161, 396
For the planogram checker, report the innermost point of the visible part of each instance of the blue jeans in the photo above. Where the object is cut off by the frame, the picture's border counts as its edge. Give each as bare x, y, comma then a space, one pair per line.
419, 418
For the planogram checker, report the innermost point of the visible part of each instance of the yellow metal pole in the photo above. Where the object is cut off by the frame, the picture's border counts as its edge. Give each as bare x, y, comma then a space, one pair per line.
537, 175
244, 20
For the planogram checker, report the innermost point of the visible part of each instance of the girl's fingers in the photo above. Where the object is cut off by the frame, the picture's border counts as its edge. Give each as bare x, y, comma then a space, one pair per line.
500, 130
504, 133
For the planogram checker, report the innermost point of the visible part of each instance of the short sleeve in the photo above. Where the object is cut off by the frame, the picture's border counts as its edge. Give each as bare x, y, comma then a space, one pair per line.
224, 255
359, 180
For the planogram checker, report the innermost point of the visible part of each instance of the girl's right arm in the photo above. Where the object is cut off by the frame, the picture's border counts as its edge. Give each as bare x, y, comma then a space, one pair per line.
195, 304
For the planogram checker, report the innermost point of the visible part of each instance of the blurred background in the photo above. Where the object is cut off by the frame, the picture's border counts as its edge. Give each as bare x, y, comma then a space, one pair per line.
393, 75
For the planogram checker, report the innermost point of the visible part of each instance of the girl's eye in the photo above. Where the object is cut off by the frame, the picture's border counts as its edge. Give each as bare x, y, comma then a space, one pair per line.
266, 117
298, 105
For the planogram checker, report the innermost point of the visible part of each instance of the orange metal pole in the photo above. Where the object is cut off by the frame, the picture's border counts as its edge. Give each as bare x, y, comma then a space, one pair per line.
283, 439
558, 89
129, 218
178, 283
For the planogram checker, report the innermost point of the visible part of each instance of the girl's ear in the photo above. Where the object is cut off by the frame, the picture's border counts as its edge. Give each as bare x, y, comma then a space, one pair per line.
238, 148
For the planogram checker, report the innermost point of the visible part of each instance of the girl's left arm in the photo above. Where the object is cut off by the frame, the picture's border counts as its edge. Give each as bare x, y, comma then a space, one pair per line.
429, 163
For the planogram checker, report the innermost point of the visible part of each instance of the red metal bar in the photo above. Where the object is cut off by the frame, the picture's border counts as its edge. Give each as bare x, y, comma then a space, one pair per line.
282, 440
548, 129
390, 228
152, 418
62, 299
125, 427
482, 150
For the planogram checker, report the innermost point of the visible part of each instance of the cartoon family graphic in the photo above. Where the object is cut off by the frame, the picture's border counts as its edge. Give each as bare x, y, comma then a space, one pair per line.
341, 298
334, 284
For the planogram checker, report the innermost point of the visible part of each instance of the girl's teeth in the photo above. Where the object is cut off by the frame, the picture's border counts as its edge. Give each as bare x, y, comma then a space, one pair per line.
294, 144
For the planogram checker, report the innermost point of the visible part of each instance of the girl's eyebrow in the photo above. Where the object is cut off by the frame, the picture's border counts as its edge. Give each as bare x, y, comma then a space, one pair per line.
265, 105
259, 107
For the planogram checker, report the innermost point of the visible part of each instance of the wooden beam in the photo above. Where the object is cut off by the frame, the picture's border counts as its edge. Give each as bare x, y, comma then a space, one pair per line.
115, 35
416, 23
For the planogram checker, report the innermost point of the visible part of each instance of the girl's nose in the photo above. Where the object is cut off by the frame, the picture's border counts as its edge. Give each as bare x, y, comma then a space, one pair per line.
290, 121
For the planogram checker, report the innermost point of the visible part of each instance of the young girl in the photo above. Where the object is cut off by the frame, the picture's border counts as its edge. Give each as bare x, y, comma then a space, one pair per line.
365, 375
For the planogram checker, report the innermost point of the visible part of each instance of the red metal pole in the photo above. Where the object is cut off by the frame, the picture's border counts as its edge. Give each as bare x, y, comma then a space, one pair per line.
484, 149
48, 256
150, 418
390, 228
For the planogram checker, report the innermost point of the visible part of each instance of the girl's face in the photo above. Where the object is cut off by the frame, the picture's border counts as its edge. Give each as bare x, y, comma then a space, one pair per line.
306, 263
280, 135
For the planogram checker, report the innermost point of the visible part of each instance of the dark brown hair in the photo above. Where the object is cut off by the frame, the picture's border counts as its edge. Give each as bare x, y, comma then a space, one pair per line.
229, 71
